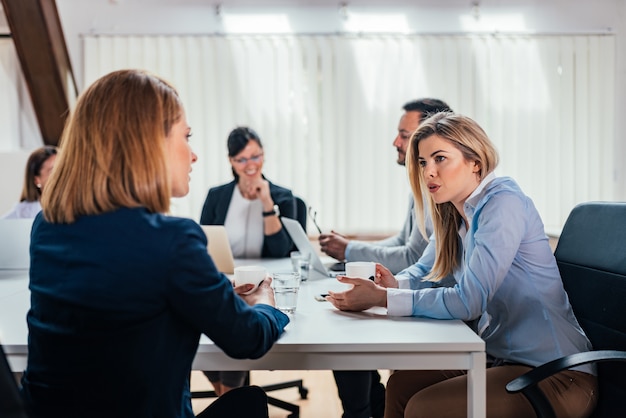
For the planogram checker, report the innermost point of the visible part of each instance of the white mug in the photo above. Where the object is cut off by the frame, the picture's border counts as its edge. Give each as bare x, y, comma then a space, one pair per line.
362, 269
249, 274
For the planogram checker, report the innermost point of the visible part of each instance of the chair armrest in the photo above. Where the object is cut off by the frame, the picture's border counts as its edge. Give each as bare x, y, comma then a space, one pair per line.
527, 383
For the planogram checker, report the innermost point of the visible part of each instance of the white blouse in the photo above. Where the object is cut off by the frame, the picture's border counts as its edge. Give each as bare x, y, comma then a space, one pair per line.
244, 226
23, 210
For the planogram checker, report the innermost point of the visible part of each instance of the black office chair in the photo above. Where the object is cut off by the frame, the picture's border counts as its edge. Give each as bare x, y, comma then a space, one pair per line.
287, 406
591, 255
301, 215
301, 212
11, 403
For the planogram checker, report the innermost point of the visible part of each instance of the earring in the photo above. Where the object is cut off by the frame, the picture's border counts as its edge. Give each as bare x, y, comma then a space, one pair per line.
38, 185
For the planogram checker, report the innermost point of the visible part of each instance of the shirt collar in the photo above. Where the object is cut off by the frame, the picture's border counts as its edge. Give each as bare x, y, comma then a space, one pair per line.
476, 194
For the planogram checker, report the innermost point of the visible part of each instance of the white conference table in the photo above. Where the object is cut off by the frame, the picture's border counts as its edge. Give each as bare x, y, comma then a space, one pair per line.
319, 337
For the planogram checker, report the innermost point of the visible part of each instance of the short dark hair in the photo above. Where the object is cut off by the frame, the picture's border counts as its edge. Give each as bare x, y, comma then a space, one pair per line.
238, 138
30, 192
426, 107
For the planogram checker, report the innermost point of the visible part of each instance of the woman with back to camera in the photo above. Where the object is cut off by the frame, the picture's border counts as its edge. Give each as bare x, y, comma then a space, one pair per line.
489, 235
38, 168
120, 292
249, 207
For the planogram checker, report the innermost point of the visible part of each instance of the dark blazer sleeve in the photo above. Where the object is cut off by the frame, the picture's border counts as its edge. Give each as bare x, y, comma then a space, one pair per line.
205, 299
280, 244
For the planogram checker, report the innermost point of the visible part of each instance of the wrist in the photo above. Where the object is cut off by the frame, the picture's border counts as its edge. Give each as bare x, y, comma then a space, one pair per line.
273, 211
268, 205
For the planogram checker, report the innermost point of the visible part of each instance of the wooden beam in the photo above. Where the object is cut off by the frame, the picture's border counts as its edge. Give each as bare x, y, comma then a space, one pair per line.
40, 44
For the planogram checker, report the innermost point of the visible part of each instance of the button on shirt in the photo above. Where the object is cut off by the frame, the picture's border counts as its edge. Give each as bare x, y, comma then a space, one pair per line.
508, 279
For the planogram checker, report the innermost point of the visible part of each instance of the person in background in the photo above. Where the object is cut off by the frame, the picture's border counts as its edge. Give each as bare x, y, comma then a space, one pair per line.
490, 237
361, 392
121, 292
38, 168
249, 207
406, 247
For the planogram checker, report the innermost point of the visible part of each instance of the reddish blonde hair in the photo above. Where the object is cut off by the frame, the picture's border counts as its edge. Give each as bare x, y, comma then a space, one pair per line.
112, 149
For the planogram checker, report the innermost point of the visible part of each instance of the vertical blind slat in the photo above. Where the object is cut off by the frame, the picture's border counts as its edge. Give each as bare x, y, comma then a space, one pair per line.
327, 108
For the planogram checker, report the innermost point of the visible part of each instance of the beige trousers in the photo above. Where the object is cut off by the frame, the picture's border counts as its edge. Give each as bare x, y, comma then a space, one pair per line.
443, 393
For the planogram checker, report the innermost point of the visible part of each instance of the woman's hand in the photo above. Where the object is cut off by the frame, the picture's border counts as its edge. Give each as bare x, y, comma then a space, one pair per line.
384, 277
363, 295
263, 294
263, 193
258, 188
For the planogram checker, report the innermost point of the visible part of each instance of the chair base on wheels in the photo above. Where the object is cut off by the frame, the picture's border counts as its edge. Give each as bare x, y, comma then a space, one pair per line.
293, 408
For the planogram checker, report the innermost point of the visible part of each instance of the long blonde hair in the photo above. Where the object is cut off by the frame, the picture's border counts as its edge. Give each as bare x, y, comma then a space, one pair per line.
469, 138
112, 152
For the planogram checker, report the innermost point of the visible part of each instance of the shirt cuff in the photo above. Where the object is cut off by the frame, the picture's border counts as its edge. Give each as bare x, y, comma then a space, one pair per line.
346, 253
399, 302
404, 282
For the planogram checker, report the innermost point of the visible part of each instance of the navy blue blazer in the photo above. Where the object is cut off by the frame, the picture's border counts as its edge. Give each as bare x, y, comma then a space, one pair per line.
118, 303
217, 203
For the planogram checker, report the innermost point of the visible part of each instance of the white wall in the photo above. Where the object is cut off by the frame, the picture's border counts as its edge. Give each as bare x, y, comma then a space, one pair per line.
299, 16
12, 171
323, 16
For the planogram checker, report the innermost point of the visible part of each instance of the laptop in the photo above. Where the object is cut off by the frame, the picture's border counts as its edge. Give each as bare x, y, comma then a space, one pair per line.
219, 248
15, 243
299, 237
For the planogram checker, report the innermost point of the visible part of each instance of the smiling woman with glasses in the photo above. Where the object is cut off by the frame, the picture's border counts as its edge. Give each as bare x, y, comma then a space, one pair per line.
249, 207
243, 160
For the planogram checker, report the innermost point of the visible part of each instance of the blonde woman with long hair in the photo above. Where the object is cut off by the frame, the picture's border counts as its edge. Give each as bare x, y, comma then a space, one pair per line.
488, 262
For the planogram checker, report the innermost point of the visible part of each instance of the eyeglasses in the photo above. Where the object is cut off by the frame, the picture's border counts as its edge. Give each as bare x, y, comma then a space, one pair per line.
313, 215
254, 159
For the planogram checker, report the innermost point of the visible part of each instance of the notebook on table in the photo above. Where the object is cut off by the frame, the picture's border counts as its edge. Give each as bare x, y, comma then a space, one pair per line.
15, 243
219, 248
299, 237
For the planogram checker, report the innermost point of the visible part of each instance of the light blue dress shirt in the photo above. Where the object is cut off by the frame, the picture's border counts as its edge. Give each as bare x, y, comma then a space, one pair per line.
508, 280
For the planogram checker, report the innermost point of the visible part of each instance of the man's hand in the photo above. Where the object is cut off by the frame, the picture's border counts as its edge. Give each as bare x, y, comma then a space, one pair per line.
334, 245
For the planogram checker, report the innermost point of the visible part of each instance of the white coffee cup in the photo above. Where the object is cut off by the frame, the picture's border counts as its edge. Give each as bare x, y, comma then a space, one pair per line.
362, 269
250, 274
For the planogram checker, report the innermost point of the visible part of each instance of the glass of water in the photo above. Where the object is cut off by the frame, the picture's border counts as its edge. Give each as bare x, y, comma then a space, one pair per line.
286, 285
301, 263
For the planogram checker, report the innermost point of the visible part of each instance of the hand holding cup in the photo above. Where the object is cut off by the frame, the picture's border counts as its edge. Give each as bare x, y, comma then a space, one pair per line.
253, 275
